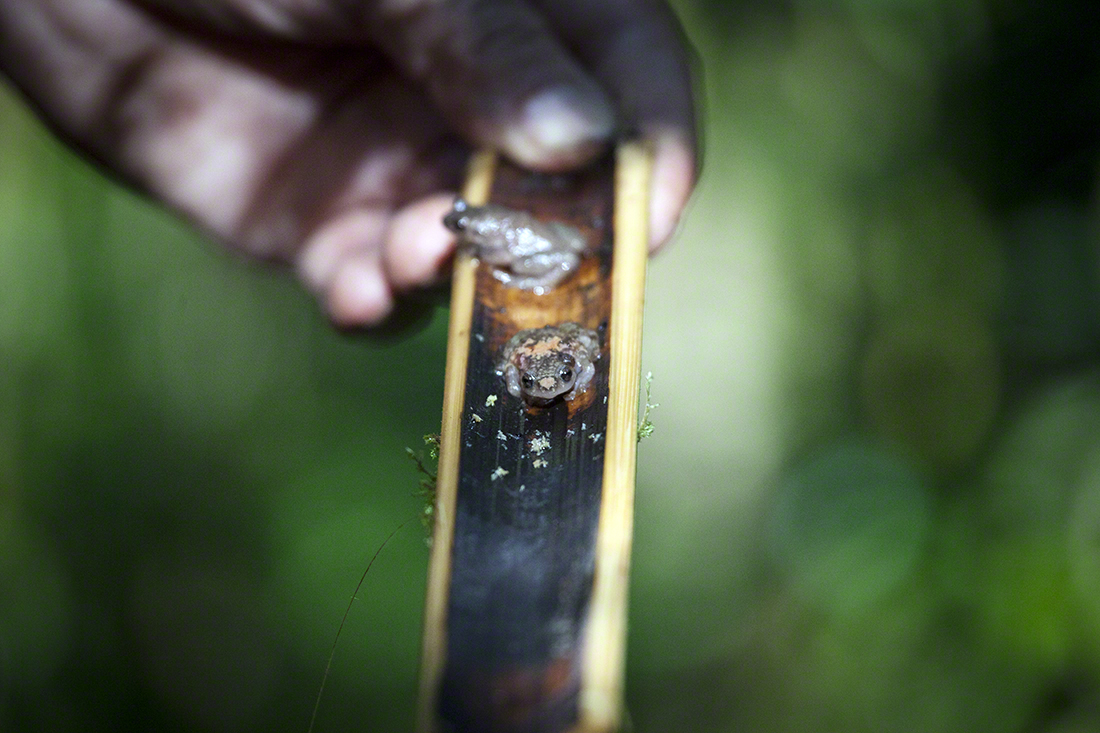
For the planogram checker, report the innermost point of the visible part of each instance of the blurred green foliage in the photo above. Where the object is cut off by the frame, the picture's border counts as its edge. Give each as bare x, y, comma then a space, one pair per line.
872, 504
194, 469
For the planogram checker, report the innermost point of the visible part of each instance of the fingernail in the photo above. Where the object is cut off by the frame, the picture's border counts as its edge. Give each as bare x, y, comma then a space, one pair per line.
560, 126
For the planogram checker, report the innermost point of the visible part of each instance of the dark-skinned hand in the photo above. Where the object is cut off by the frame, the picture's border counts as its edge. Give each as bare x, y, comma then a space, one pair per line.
331, 134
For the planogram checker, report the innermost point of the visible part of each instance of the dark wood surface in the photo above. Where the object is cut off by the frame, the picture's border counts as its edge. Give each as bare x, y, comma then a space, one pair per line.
529, 488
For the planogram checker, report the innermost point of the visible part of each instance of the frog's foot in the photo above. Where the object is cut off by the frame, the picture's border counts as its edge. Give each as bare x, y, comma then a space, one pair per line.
538, 284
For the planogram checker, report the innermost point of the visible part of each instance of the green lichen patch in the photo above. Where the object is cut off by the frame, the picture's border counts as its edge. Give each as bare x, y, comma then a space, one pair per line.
645, 425
428, 468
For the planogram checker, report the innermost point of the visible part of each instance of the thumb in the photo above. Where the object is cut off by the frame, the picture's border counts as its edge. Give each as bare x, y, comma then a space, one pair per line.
502, 77
495, 68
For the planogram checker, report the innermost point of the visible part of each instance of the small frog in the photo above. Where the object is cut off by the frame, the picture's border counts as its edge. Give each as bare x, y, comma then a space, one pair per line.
527, 253
542, 364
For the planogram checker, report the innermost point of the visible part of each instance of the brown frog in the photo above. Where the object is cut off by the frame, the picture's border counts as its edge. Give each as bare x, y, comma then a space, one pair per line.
540, 365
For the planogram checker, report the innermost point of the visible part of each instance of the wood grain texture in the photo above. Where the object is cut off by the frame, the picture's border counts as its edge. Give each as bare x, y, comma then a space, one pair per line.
508, 633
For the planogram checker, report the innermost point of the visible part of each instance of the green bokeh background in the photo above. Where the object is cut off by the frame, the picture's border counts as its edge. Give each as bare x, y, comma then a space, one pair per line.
872, 502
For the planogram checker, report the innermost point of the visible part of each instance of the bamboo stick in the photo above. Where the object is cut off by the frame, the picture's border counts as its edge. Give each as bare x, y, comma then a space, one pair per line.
479, 180
539, 645
605, 636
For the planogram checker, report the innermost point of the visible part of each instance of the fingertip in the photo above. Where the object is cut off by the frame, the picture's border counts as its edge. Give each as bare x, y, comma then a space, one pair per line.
323, 254
559, 128
359, 295
417, 245
674, 172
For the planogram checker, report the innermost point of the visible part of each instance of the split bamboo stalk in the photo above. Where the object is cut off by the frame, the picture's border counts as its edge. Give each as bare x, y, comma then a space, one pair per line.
525, 614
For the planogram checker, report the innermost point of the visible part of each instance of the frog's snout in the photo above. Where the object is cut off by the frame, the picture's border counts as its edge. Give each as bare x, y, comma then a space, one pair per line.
457, 220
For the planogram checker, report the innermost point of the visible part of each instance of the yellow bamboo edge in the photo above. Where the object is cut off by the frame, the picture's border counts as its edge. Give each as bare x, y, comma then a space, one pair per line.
479, 181
605, 634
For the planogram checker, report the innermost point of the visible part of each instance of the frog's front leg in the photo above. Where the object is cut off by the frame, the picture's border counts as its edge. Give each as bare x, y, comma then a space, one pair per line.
511, 380
567, 238
583, 378
543, 270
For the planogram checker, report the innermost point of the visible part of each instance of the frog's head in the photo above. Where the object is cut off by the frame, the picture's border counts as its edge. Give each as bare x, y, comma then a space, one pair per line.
458, 218
544, 378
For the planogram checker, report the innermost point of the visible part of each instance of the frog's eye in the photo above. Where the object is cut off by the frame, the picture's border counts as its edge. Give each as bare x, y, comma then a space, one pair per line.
566, 375
457, 220
527, 381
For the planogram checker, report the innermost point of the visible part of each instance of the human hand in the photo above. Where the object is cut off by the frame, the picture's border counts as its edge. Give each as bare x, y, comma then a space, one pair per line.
331, 134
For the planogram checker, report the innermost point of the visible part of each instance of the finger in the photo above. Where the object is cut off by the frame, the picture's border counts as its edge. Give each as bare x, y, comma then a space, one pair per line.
495, 68
296, 156
410, 315
637, 50
341, 264
376, 147
340, 267
417, 246
359, 295
674, 176
335, 243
